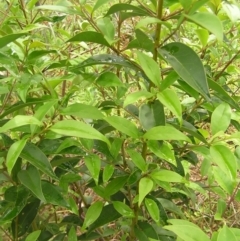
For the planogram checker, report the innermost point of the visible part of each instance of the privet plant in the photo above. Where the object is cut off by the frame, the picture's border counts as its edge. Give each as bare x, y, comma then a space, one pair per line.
119, 120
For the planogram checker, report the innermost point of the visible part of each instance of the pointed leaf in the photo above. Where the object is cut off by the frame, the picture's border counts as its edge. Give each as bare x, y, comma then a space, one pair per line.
115, 185
209, 21
13, 154
170, 99
226, 233
107, 172
93, 164
38, 159
138, 160
150, 68
20, 120
107, 28
90, 36
92, 214
123, 125
78, 129
221, 118
98, 4
166, 176
153, 209
82, 111
186, 230
133, 97
72, 235
145, 187
165, 133
187, 64
151, 115
123, 209
30, 178
109, 79
5, 40
225, 159
33, 236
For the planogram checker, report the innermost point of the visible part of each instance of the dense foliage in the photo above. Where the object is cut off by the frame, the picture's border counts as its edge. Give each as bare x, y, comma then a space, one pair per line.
119, 120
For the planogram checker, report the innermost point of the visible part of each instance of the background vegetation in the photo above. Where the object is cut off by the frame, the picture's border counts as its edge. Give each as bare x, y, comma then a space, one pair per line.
119, 120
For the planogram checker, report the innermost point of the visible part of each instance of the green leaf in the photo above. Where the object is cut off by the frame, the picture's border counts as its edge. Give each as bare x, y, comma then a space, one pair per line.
188, 66
144, 231
150, 68
109, 79
20, 120
115, 185
37, 158
165, 133
107, 172
105, 218
13, 154
107, 28
82, 111
169, 80
90, 36
5, 40
138, 160
148, 20
208, 21
186, 230
33, 236
221, 207
166, 176
23, 221
92, 214
231, 10
222, 94
33, 56
58, 8
72, 235
123, 125
123, 209
53, 194
151, 115
98, 4
225, 159
203, 36
153, 209
125, 7
170, 99
30, 178
145, 187
163, 150
226, 233
93, 164
78, 129
133, 97
221, 118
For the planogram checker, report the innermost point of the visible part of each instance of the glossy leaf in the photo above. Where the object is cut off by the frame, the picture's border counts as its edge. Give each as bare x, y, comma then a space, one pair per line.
153, 210
151, 115
133, 97
221, 118
145, 187
98, 4
33, 236
150, 68
107, 172
72, 236
109, 79
37, 158
30, 178
226, 233
20, 120
225, 159
138, 160
5, 40
165, 133
166, 176
92, 214
13, 153
123, 209
107, 29
82, 111
115, 185
90, 36
123, 125
53, 194
78, 129
93, 164
170, 99
209, 21
188, 66
186, 230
